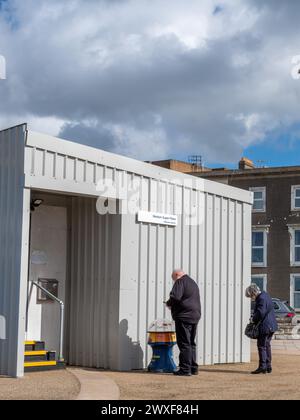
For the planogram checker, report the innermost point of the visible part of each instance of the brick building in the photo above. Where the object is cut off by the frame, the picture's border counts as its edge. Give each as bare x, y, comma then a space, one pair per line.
276, 224
179, 166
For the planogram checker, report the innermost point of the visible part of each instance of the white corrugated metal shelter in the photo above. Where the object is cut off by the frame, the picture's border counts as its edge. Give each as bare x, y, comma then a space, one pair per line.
115, 268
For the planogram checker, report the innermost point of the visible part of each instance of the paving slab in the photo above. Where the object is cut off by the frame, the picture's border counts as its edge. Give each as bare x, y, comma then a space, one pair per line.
95, 385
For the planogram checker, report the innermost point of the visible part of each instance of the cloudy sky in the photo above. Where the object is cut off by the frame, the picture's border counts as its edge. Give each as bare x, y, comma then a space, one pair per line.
155, 79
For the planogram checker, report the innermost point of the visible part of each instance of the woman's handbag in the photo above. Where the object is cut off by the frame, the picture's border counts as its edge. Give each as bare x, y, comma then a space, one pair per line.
252, 330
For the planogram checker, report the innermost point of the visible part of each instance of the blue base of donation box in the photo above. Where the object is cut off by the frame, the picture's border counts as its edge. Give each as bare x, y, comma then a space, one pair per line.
162, 358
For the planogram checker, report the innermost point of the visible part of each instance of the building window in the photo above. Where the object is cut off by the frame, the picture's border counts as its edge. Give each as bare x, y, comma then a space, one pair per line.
295, 245
260, 280
295, 291
259, 248
259, 199
295, 197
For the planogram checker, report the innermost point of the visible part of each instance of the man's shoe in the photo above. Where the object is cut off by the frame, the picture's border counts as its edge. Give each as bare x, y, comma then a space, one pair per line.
182, 373
259, 371
195, 372
269, 370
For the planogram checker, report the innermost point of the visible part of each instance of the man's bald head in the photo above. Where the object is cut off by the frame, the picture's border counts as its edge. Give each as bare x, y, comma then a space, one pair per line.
177, 274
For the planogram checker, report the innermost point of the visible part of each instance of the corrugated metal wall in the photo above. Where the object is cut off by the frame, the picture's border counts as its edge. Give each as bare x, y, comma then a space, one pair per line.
113, 300
93, 289
14, 228
215, 252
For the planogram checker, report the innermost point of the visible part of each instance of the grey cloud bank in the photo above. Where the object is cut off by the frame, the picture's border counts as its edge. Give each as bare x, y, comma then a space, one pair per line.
152, 79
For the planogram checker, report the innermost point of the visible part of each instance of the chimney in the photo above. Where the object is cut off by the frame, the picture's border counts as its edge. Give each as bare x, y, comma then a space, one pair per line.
245, 164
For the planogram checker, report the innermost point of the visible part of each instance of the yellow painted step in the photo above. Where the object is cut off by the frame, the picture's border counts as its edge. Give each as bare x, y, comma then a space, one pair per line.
30, 343
36, 353
39, 364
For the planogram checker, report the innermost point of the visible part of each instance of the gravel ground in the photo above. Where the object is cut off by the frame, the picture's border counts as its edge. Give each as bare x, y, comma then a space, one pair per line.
226, 382
221, 382
53, 385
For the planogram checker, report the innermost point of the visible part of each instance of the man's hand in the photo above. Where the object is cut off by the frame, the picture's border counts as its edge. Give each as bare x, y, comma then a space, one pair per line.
168, 304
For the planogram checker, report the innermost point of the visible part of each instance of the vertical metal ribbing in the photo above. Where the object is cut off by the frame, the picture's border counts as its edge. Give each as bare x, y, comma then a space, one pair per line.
227, 283
4, 284
238, 282
155, 263
106, 289
213, 260
98, 327
156, 303
182, 229
142, 294
8, 200
93, 274
11, 207
92, 288
242, 297
246, 276
205, 280
220, 274
102, 314
139, 280
55, 166
44, 162
216, 278
80, 284
33, 152
14, 233
199, 280
235, 280
89, 276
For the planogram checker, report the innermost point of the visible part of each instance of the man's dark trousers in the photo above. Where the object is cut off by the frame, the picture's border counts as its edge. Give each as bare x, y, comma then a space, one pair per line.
265, 351
186, 341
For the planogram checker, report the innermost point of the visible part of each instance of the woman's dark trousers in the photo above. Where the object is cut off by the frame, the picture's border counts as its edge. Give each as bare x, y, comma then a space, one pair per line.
265, 351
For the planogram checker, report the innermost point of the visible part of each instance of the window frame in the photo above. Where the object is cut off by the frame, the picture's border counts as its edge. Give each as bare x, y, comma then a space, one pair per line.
265, 247
264, 199
265, 280
292, 230
294, 188
292, 291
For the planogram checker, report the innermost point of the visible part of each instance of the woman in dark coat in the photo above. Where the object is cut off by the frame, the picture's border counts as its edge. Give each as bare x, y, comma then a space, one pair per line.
264, 315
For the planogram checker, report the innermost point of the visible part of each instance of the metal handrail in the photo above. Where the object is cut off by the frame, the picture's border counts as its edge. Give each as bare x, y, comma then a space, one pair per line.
62, 311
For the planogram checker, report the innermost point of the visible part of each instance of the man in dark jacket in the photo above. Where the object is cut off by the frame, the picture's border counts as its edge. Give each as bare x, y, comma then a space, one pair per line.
185, 306
264, 315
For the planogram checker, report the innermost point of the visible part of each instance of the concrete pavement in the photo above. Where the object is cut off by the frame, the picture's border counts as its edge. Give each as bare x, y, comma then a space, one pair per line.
95, 385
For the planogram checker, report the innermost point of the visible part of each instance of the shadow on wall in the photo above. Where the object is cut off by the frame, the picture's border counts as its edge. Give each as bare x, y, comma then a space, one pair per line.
132, 356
